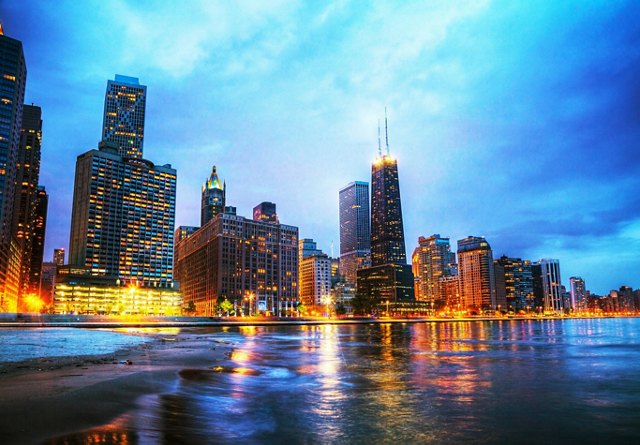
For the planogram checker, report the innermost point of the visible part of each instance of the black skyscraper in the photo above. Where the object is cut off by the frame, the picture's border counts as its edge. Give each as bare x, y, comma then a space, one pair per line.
389, 279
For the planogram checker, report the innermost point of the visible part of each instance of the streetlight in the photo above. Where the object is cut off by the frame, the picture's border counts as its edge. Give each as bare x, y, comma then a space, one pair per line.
250, 302
387, 308
327, 301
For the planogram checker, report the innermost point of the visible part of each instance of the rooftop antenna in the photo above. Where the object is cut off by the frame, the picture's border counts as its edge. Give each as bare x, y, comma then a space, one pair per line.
379, 145
386, 130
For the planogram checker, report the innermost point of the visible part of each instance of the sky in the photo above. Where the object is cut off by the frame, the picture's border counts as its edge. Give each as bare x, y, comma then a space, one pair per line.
518, 121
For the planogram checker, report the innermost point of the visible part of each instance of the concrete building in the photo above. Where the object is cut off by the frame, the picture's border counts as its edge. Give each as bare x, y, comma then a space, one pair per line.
251, 263
550, 285
432, 261
514, 283
315, 280
123, 217
578, 293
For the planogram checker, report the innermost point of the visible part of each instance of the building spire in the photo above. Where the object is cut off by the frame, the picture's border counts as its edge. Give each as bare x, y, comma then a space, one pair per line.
386, 130
379, 145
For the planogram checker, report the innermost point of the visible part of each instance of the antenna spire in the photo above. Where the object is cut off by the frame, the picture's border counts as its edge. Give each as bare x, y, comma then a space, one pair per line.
379, 145
386, 130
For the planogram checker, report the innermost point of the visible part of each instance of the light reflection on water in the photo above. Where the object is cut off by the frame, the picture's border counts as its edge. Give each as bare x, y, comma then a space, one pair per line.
551, 381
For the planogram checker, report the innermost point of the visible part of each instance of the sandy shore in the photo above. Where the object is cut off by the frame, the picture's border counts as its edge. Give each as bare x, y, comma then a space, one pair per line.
44, 399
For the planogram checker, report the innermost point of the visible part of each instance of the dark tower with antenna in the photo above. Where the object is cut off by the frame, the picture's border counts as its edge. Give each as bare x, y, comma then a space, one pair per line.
389, 278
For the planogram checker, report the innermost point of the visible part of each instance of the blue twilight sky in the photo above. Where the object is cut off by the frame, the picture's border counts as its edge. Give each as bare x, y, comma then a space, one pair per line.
514, 120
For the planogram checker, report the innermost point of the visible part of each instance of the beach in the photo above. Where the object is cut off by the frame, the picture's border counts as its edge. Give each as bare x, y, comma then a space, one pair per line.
45, 399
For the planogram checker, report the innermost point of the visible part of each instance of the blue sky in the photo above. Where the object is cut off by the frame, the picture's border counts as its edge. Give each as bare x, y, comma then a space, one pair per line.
517, 121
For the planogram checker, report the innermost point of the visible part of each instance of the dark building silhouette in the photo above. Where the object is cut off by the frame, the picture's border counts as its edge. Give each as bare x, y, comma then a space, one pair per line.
355, 229
213, 197
265, 212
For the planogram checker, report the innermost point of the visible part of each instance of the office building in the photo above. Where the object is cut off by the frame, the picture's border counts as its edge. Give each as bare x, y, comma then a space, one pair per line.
355, 230
13, 72
578, 291
432, 261
251, 263
36, 255
514, 283
549, 285
315, 279
123, 121
390, 277
123, 217
265, 212
213, 197
476, 275
58, 256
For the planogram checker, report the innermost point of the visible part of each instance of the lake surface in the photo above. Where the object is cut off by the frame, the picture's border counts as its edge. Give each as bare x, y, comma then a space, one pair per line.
543, 381
24, 344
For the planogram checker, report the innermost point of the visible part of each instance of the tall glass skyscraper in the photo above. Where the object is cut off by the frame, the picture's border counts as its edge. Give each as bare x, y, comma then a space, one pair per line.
387, 231
355, 231
13, 76
389, 278
123, 121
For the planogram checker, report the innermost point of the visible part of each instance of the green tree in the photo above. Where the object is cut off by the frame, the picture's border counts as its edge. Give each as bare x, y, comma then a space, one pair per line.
226, 306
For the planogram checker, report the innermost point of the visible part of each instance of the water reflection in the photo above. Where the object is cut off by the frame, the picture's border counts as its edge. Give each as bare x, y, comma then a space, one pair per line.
549, 381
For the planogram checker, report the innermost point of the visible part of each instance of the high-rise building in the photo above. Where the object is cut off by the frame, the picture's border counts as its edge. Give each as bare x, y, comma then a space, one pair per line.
251, 263
123, 217
213, 197
265, 212
315, 279
37, 241
578, 293
476, 275
514, 283
58, 256
550, 285
123, 121
13, 72
30, 201
389, 278
355, 231
433, 261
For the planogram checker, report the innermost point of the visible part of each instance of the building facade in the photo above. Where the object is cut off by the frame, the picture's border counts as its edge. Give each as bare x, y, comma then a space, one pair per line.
123, 120
213, 197
433, 261
123, 217
514, 281
389, 279
251, 263
578, 291
355, 230
13, 72
315, 280
551, 285
476, 275
265, 212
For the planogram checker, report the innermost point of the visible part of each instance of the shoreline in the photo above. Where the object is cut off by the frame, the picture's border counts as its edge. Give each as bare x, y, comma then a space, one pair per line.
97, 322
48, 398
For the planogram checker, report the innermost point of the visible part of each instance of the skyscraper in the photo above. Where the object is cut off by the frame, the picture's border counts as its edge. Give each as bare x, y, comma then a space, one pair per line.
476, 275
355, 231
550, 285
124, 109
389, 278
123, 217
13, 72
514, 280
30, 200
213, 197
578, 293
434, 261
314, 270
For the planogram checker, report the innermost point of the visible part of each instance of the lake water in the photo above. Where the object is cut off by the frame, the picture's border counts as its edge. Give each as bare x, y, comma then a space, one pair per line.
24, 344
543, 381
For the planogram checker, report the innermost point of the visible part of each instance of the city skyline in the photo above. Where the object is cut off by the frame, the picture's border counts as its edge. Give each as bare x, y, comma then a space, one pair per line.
291, 109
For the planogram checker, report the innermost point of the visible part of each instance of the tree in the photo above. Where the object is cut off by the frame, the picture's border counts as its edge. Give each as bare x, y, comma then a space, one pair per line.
340, 309
190, 308
225, 306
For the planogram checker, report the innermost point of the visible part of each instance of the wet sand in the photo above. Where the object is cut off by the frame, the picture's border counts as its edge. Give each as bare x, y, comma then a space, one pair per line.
45, 399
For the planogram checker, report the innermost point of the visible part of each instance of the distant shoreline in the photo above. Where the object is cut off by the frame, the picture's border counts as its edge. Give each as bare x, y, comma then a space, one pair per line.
102, 322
